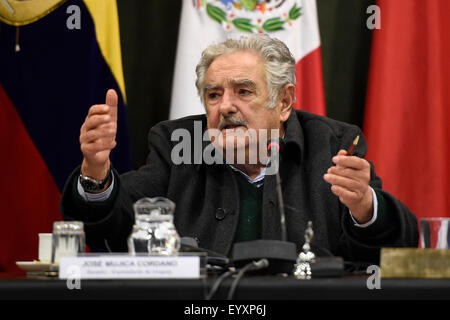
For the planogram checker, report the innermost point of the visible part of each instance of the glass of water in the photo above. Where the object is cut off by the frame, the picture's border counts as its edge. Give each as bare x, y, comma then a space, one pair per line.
68, 239
154, 231
435, 233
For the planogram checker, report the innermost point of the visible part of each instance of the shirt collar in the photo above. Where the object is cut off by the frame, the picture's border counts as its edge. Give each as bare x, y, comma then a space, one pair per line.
257, 181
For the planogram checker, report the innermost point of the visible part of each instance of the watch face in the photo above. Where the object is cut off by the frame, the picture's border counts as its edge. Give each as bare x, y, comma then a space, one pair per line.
89, 185
92, 185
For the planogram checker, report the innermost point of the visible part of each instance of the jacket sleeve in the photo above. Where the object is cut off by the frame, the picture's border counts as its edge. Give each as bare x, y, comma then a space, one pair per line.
108, 223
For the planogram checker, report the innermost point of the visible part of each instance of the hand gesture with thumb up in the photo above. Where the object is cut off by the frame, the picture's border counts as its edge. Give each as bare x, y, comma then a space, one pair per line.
98, 137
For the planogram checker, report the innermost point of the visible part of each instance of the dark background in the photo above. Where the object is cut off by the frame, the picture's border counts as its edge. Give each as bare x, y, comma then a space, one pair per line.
149, 34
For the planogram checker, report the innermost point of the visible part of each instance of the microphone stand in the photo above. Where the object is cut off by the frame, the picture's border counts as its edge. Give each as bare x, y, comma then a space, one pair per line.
281, 255
281, 205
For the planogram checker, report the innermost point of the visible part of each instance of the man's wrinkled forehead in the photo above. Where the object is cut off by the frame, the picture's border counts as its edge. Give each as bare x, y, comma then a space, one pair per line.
235, 82
235, 64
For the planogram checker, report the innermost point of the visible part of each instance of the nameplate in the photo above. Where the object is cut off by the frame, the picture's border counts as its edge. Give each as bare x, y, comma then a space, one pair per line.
130, 267
415, 263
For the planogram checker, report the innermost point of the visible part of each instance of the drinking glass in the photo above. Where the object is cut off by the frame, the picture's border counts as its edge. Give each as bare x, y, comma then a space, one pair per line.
68, 239
435, 233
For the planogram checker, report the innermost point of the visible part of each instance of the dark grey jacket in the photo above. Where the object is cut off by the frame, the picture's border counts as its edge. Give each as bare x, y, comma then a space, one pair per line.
207, 198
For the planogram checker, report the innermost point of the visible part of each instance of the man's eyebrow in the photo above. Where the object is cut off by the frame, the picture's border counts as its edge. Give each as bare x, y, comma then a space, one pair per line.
243, 82
211, 86
234, 82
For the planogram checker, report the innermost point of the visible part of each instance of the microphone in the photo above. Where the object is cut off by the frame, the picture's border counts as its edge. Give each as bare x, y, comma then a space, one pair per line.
273, 147
280, 255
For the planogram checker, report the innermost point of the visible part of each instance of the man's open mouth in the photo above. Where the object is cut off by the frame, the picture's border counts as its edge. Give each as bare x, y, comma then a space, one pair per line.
232, 126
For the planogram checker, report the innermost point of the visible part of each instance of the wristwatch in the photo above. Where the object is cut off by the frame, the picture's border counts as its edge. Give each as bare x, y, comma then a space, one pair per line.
93, 185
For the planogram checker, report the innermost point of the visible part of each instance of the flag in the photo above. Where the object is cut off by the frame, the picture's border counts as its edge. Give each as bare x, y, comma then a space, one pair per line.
57, 58
204, 22
408, 104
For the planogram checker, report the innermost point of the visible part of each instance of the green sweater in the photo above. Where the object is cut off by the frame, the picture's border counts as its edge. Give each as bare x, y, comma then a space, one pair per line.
250, 204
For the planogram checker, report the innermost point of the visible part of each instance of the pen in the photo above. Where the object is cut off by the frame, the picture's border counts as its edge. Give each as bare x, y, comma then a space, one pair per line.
353, 146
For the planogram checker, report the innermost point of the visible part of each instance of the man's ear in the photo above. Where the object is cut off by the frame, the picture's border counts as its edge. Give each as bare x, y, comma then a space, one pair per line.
287, 96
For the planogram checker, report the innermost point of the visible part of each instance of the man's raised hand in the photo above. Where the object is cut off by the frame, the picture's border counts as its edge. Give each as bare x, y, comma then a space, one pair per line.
349, 180
98, 137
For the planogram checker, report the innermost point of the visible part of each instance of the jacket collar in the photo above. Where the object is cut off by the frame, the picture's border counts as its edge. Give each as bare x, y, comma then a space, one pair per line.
293, 141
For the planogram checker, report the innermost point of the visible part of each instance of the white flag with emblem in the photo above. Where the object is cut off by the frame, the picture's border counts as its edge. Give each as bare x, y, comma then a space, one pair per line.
204, 22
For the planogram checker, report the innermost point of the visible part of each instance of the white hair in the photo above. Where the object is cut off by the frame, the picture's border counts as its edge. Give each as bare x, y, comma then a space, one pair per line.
278, 61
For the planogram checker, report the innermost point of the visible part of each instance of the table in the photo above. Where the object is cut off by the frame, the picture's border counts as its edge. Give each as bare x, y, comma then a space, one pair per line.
249, 288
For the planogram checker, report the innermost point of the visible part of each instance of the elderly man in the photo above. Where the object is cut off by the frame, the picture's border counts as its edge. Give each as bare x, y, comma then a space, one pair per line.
246, 85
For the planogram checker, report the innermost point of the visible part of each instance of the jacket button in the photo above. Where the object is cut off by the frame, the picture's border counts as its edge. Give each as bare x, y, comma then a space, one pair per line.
221, 213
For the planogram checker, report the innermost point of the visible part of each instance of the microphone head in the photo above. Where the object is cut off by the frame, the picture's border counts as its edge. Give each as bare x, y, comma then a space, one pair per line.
273, 145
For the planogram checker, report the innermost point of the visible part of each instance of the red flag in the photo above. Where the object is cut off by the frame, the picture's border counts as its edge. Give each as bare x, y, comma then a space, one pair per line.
28, 192
408, 104
310, 95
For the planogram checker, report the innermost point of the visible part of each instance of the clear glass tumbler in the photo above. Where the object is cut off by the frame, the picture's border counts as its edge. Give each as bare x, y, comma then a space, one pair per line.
435, 233
68, 239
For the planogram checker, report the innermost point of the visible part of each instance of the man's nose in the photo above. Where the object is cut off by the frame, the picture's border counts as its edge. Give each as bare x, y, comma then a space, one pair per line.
228, 104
